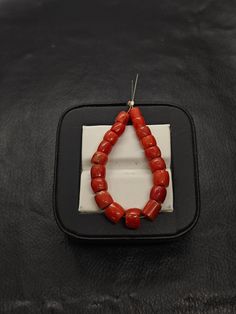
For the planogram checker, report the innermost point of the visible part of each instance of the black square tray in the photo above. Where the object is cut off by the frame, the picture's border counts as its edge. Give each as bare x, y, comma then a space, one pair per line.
68, 168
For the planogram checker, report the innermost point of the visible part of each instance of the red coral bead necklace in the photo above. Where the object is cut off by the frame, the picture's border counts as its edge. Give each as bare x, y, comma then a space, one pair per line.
113, 211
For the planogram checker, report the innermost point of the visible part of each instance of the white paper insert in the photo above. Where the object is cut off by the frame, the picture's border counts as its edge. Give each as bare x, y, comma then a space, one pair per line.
128, 175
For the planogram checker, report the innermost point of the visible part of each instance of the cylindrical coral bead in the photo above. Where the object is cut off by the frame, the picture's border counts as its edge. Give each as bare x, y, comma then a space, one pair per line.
114, 212
148, 141
103, 199
118, 128
135, 112
151, 209
122, 117
99, 158
111, 137
152, 152
161, 177
105, 147
143, 131
138, 122
158, 193
132, 218
98, 184
157, 164
98, 171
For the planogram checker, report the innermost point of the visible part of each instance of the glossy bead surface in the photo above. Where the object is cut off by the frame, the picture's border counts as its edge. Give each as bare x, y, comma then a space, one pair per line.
138, 122
114, 212
111, 137
152, 152
135, 112
118, 128
98, 171
157, 164
103, 199
98, 184
99, 158
105, 147
143, 131
122, 117
132, 218
158, 193
161, 177
148, 141
151, 209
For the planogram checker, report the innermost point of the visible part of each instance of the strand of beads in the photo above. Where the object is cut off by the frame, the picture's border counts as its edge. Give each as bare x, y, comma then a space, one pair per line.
156, 163
112, 210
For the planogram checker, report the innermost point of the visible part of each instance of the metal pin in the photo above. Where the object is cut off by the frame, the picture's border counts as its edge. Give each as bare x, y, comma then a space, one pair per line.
135, 86
133, 91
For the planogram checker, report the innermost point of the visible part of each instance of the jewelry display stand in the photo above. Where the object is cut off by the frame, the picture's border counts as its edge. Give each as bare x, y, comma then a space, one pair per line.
79, 132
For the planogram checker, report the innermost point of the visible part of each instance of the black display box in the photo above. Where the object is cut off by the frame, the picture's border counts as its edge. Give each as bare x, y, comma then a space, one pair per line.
94, 226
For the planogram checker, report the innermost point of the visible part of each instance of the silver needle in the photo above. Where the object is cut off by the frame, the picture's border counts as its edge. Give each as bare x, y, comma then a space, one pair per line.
133, 91
135, 86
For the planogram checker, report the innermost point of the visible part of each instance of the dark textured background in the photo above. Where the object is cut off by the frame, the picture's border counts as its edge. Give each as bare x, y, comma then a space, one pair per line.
56, 54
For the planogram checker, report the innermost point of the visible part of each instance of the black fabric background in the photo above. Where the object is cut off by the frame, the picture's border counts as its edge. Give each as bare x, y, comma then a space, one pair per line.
57, 54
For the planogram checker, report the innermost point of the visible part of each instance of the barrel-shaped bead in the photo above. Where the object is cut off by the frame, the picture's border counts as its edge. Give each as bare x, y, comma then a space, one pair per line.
99, 158
114, 212
138, 122
157, 164
161, 177
158, 193
148, 141
135, 112
132, 218
118, 128
151, 209
103, 199
152, 152
105, 147
142, 131
98, 171
122, 117
98, 184
111, 137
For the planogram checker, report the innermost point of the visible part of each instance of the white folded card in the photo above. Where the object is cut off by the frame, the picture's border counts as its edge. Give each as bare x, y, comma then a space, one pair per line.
128, 174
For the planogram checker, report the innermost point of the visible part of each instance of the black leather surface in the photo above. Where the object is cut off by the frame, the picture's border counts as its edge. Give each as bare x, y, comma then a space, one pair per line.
56, 54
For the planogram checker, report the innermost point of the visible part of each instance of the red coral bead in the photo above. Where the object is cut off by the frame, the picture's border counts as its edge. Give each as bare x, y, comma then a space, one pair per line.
138, 122
158, 193
105, 147
135, 112
151, 209
114, 212
143, 131
111, 137
103, 199
98, 184
148, 141
152, 152
99, 158
98, 171
161, 177
118, 128
132, 218
157, 164
122, 117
